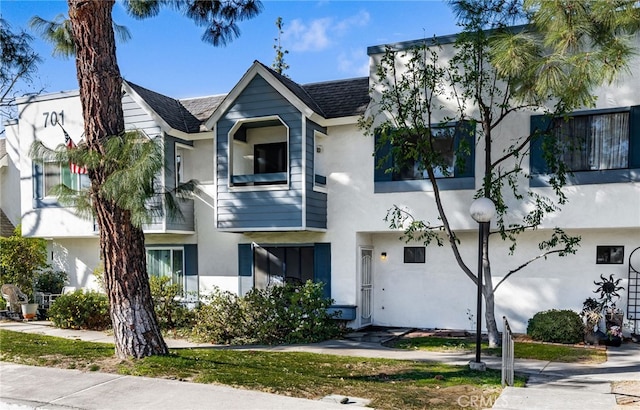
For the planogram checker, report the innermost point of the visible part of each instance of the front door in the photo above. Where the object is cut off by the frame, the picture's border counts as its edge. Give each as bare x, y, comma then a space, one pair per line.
366, 286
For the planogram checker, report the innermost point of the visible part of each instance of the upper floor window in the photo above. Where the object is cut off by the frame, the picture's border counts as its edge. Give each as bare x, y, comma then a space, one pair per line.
319, 160
179, 169
444, 144
594, 142
270, 158
455, 144
47, 175
595, 146
259, 153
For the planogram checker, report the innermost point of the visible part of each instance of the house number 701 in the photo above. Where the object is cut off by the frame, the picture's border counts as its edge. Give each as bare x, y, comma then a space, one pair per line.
53, 118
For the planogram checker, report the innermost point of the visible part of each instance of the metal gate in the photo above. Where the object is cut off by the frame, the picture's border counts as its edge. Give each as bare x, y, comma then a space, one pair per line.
633, 291
366, 286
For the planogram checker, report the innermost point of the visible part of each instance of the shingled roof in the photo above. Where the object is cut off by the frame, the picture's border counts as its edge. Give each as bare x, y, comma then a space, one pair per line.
331, 99
171, 110
341, 98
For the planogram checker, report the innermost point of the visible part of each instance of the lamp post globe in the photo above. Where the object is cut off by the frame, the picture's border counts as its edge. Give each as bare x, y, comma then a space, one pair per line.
481, 210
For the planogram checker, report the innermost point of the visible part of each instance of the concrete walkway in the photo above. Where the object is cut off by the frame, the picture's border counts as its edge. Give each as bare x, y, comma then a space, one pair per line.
551, 385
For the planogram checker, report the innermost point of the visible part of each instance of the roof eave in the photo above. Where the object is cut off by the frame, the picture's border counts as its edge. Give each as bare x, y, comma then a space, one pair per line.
282, 89
332, 122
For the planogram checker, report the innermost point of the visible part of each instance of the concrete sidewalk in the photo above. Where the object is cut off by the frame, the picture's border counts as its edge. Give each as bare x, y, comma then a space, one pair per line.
551, 385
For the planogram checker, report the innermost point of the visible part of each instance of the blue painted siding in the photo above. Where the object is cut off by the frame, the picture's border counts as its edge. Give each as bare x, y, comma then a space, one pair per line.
137, 118
316, 201
245, 208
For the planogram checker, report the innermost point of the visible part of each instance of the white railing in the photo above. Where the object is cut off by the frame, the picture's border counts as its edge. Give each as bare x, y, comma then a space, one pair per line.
507, 354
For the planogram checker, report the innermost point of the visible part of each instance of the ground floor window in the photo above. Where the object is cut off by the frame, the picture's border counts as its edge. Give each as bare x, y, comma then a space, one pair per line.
277, 265
272, 265
167, 262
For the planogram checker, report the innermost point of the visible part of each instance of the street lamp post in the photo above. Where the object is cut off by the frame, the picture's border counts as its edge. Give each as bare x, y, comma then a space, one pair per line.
481, 210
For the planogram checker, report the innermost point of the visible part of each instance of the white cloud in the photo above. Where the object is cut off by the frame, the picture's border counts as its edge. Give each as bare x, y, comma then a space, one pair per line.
359, 20
320, 34
303, 37
354, 63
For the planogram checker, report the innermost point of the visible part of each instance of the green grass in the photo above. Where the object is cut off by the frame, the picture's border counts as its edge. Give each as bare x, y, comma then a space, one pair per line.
390, 384
39, 350
522, 350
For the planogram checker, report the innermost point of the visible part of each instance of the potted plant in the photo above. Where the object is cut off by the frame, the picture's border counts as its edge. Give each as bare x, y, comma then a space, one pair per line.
29, 310
608, 289
591, 314
614, 336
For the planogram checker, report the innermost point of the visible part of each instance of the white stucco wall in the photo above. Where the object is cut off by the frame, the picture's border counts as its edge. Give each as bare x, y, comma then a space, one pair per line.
79, 258
10, 175
48, 222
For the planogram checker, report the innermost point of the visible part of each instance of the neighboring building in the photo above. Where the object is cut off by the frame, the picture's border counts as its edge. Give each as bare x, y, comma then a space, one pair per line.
9, 189
290, 192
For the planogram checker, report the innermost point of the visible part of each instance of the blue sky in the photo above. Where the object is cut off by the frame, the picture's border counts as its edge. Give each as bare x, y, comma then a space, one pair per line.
326, 40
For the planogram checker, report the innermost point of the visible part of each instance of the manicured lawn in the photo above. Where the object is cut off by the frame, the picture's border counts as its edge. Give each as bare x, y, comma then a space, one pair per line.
522, 350
390, 384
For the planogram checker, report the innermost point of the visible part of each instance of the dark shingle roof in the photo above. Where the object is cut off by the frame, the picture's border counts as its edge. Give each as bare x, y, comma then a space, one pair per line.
296, 89
331, 99
172, 111
202, 107
342, 98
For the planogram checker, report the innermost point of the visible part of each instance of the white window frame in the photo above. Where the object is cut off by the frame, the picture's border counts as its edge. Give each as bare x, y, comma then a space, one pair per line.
183, 276
230, 155
319, 143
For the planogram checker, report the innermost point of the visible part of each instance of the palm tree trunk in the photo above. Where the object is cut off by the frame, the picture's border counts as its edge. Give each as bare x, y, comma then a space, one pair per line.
136, 329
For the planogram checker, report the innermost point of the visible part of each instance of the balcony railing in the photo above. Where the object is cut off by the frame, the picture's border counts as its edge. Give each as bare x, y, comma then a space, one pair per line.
259, 179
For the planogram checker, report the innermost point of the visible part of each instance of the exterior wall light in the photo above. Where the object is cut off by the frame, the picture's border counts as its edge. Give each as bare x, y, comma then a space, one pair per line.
383, 256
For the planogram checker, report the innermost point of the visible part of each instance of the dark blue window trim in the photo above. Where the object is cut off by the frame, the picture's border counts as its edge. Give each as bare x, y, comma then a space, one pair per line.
321, 262
540, 178
464, 177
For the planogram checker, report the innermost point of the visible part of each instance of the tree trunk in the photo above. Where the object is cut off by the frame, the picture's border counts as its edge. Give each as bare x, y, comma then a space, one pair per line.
136, 329
489, 313
487, 290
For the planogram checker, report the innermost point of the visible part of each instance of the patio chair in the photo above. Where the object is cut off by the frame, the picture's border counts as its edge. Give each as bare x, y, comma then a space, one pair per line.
14, 297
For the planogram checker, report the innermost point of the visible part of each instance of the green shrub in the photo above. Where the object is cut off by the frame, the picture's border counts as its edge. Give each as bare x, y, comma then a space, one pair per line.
81, 310
171, 313
280, 314
21, 259
559, 326
221, 319
50, 281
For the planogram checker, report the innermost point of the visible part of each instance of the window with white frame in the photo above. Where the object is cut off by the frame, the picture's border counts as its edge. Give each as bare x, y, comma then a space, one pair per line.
167, 262
259, 154
57, 173
319, 159
179, 169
